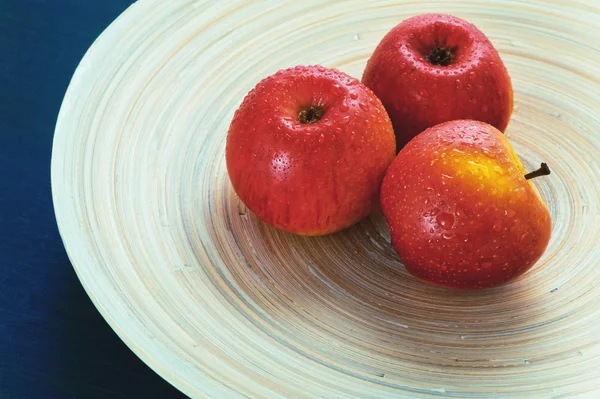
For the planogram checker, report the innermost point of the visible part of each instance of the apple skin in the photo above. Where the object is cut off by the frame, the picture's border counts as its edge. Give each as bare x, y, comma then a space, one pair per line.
460, 211
310, 178
418, 94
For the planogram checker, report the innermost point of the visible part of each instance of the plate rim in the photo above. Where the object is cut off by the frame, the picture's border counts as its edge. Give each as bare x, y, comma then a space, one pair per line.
58, 188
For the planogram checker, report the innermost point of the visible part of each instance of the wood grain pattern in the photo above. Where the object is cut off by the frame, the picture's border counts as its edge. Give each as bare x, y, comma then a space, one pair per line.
223, 306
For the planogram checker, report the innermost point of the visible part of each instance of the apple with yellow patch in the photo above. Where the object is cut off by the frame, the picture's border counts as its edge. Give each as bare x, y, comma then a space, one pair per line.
461, 210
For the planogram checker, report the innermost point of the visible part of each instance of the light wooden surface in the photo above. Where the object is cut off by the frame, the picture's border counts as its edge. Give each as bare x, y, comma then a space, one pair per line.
223, 306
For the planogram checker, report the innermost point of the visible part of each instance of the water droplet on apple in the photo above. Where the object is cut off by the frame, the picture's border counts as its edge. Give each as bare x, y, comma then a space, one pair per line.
343, 107
484, 108
510, 213
472, 75
469, 88
353, 95
459, 84
497, 227
445, 220
486, 264
447, 235
443, 267
345, 120
363, 106
322, 139
473, 100
352, 82
320, 69
521, 194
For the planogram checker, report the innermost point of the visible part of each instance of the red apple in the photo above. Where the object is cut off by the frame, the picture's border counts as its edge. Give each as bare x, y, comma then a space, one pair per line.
461, 211
308, 148
436, 68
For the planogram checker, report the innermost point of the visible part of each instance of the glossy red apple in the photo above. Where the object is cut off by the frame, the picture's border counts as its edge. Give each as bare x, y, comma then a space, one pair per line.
434, 68
461, 210
308, 148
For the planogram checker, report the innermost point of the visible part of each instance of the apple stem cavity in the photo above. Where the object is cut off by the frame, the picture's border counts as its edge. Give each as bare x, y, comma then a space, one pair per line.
544, 170
313, 114
441, 56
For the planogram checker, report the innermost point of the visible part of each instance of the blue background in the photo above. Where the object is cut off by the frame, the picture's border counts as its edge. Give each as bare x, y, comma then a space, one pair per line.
53, 342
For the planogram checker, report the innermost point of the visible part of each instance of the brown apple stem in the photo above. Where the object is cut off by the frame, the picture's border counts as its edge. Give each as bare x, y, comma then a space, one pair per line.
312, 114
544, 170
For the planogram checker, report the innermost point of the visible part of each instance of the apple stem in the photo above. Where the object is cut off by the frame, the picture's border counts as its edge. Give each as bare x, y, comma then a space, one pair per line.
441, 56
313, 114
544, 170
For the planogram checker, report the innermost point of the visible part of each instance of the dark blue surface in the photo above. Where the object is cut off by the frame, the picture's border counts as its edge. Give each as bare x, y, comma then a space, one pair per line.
53, 342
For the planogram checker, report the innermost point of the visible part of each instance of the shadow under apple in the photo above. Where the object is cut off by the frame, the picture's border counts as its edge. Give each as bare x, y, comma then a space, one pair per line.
347, 297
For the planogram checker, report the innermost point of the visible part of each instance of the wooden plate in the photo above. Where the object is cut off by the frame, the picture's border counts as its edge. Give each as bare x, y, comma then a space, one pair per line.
223, 306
